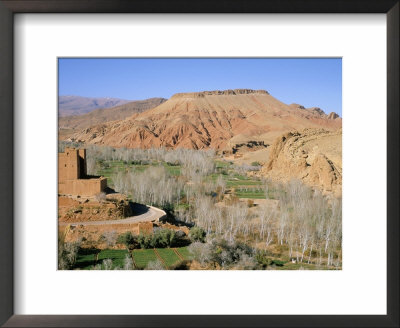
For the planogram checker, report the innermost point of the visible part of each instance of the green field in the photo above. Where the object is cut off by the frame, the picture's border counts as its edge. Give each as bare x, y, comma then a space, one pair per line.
116, 255
86, 259
241, 180
235, 180
250, 193
169, 256
185, 253
144, 256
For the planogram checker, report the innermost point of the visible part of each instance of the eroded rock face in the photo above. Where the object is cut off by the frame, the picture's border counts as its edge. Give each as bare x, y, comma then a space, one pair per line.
202, 94
208, 119
312, 155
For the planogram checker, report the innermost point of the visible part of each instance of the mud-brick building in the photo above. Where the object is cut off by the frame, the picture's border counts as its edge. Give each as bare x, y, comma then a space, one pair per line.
72, 176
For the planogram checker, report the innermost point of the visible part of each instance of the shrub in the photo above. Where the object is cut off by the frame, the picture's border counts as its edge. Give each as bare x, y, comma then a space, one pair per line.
128, 240
67, 254
146, 241
255, 164
201, 252
107, 264
262, 259
245, 262
227, 255
128, 263
165, 238
197, 234
160, 238
232, 254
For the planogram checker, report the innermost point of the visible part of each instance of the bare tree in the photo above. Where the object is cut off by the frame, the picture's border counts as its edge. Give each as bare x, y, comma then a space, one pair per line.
110, 237
128, 263
266, 215
155, 265
107, 264
201, 252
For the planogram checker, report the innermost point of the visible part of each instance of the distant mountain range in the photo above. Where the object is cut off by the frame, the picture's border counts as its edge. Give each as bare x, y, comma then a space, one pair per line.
76, 105
102, 115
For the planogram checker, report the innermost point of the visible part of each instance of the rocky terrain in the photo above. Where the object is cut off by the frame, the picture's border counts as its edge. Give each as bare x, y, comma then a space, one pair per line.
112, 207
93, 236
210, 119
312, 155
76, 105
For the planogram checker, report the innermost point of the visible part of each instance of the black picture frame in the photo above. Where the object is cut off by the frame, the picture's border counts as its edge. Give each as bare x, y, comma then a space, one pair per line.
7, 200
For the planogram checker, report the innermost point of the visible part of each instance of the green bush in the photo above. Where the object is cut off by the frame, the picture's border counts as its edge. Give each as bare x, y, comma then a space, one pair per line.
146, 241
165, 238
128, 240
223, 253
159, 239
264, 261
197, 234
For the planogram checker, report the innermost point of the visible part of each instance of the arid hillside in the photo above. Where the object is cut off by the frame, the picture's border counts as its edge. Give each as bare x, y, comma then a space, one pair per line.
312, 155
76, 105
103, 115
210, 119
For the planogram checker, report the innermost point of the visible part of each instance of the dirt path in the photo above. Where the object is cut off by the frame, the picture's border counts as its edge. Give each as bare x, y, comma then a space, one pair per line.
133, 260
178, 254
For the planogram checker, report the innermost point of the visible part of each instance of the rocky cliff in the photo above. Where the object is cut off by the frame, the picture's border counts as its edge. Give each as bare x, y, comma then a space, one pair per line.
312, 155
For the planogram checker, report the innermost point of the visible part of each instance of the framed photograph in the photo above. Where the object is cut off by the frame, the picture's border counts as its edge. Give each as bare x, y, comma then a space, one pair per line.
213, 164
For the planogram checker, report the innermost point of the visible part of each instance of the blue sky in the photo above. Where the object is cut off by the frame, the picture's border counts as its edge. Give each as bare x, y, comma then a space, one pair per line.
306, 81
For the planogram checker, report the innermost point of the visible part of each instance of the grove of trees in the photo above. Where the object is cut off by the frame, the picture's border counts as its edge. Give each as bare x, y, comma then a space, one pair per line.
304, 224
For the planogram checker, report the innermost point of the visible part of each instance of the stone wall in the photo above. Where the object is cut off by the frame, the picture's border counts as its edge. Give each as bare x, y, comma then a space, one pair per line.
82, 187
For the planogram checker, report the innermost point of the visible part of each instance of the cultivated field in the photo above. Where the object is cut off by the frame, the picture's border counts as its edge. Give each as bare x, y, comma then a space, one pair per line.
90, 259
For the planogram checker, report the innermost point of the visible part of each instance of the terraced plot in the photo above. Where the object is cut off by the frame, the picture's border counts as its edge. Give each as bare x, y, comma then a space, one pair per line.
184, 252
169, 256
256, 194
116, 255
86, 259
143, 256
